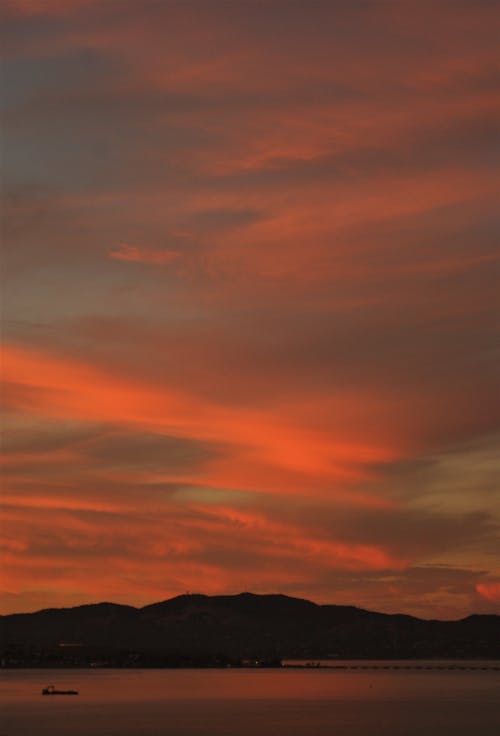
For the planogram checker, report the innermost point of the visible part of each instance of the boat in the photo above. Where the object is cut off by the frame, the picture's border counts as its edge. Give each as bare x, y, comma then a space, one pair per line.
51, 690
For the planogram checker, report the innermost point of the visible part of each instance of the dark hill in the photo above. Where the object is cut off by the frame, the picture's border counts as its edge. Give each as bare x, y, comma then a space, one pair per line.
199, 629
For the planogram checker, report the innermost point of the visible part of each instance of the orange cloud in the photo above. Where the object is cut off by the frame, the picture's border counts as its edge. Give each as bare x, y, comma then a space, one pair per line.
151, 256
56, 386
489, 590
153, 553
284, 540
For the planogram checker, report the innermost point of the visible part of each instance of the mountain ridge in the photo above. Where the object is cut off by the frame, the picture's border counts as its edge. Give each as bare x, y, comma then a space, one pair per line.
200, 629
203, 596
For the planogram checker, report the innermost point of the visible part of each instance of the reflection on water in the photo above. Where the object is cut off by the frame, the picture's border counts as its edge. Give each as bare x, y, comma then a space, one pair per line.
295, 702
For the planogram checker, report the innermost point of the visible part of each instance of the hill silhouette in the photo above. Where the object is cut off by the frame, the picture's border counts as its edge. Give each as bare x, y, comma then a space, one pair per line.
211, 630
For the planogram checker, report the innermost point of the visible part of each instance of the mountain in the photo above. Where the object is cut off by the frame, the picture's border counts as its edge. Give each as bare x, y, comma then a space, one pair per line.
211, 630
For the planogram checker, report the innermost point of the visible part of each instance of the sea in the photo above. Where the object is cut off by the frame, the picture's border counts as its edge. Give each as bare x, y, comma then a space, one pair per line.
359, 699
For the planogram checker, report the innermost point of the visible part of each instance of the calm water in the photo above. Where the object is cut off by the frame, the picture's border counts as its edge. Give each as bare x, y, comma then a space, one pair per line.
287, 702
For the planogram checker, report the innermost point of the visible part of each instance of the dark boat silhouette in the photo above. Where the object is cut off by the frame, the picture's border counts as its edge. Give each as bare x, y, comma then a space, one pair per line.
51, 690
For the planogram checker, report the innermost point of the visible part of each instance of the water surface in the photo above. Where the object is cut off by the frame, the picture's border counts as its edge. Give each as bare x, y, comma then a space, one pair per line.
246, 702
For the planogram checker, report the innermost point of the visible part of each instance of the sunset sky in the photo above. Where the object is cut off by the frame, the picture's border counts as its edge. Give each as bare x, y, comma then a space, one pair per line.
250, 302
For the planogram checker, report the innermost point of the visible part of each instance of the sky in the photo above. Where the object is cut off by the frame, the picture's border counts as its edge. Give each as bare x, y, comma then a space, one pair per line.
250, 302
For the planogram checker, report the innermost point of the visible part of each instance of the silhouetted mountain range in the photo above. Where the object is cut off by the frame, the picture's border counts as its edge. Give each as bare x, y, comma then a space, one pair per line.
212, 630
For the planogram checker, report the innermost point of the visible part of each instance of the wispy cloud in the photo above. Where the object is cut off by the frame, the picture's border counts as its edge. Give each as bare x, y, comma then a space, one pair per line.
489, 590
137, 254
250, 298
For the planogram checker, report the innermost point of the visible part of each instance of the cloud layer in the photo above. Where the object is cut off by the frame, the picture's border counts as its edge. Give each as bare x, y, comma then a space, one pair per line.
251, 302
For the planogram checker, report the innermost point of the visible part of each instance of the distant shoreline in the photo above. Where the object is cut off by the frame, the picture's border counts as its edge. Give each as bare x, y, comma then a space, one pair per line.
355, 665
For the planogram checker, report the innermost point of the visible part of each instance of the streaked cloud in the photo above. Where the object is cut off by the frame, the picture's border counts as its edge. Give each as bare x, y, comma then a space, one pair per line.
135, 254
250, 302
